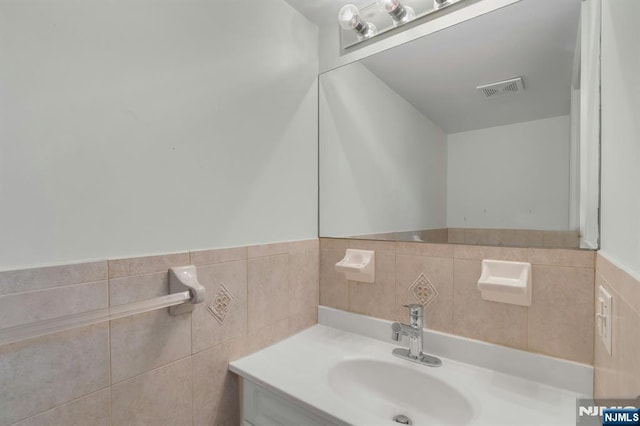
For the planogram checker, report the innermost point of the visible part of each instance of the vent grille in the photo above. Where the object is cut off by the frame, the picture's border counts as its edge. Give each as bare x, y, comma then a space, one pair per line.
505, 87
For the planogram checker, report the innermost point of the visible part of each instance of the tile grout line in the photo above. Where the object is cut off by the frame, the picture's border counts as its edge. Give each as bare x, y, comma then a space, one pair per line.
138, 375
246, 295
110, 353
71, 401
453, 294
128, 274
192, 381
111, 405
289, 293
67, 286
395, 280
63, 283
526, 330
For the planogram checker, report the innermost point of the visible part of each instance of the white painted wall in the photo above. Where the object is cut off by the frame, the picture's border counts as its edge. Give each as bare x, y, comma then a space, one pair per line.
620, 220
133, 128
513, 176
383, 163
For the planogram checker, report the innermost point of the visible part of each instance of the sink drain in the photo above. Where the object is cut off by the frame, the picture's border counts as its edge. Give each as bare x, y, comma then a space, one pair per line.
402, 419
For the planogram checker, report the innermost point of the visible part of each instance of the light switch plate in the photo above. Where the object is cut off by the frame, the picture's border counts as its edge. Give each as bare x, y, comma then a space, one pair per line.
604, 317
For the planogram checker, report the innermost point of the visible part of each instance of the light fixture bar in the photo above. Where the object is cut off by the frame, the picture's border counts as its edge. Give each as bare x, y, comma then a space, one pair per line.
359, 25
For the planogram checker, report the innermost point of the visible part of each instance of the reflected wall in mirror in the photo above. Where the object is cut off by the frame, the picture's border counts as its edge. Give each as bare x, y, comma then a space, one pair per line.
411, 149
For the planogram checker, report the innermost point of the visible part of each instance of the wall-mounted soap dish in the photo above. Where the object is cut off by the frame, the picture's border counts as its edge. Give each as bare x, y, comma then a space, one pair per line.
506, 282
358, 265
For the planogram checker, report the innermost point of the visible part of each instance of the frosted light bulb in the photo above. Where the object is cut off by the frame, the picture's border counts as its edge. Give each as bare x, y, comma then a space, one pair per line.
349, 19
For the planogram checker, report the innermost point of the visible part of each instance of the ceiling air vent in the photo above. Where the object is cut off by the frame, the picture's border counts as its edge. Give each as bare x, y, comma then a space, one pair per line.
505, 87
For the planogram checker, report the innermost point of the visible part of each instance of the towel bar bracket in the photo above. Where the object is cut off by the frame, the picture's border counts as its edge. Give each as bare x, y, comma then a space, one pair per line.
184, 278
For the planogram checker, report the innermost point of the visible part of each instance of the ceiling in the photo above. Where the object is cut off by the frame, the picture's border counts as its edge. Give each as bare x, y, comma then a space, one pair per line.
439, 73
322, 12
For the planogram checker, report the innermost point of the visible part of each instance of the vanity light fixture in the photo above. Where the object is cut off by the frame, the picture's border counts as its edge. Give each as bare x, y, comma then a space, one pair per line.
349, 19
359, 25
399, 13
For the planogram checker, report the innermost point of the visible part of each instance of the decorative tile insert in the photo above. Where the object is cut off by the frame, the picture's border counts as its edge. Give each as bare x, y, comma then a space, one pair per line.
423, 291
221, 304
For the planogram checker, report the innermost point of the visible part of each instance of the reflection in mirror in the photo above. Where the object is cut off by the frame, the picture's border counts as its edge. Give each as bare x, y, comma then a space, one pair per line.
413, 148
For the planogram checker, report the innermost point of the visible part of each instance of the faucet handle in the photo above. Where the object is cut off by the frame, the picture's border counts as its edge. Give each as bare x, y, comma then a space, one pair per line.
396, 331
415, 310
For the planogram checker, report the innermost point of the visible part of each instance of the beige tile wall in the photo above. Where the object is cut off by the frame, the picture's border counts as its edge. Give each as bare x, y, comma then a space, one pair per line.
152, 368
157, 369
558, 323
617, 375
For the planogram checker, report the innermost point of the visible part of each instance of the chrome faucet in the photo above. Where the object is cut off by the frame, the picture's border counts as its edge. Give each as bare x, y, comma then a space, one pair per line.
413, 331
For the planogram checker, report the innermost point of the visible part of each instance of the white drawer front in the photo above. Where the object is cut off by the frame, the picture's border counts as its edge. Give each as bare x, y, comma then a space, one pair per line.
264, 408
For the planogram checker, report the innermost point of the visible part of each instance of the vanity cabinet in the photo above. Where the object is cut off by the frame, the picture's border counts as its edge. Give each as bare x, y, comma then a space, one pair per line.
263, 407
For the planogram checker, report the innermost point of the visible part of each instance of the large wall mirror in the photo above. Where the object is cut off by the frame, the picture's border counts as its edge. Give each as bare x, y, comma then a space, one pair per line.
411, 149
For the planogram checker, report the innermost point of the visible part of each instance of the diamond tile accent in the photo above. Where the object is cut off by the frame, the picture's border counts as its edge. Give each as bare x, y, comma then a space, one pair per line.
221, 304
423, 291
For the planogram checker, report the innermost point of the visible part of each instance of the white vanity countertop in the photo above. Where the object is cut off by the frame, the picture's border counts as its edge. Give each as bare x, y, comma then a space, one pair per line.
298, 368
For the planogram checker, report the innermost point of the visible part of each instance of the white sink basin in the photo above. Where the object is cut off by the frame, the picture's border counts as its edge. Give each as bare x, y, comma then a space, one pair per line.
348, 379
386, 390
